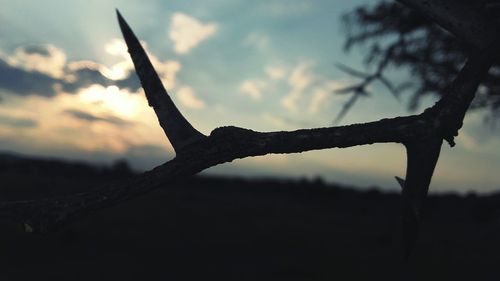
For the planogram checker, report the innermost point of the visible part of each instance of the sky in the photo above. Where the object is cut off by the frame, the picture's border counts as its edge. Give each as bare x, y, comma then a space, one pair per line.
68, 90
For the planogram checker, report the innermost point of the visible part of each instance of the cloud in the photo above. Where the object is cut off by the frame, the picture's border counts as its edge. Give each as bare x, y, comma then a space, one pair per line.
187, 32
289, 102
93, 119
113, 100
46, 59
321, 93
187, 97
19, 81
17, 122
83, 74
258, 40
275, 72
317, 101
299, 79
86, 116
253, 88
16, 80
123, 71
37, 50
121, 74
44, 71
117, 47
308, 90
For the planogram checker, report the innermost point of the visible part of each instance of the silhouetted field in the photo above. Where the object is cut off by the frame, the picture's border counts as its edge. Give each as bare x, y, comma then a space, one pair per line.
208, 228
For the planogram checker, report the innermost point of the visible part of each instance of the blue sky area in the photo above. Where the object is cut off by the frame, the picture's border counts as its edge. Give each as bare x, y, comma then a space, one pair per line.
67, 88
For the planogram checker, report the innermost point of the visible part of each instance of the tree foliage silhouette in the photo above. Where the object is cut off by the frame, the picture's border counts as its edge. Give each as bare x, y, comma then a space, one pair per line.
399, 37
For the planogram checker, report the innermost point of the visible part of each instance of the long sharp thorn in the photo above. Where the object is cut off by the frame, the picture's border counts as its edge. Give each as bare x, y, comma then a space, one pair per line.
401, 182
178, 130
422, 156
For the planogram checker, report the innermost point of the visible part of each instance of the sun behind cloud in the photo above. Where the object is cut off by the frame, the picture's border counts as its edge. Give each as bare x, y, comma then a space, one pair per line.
111, 98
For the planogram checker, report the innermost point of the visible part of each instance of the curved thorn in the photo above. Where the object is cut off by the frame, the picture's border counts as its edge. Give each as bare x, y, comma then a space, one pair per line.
422, 156
178, 130
401, 182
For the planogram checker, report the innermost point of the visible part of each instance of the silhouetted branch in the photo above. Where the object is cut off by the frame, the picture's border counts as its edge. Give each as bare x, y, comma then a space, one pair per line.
359, 89
421, 134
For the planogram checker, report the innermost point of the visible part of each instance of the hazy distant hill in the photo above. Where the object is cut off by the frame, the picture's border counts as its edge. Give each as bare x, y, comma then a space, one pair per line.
238, 229
32, 177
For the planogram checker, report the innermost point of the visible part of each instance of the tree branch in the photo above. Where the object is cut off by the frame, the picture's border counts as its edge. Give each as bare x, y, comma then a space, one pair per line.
454, 104
224, 144
421, 134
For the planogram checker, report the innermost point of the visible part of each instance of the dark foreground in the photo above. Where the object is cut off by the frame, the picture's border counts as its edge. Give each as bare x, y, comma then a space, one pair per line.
234, 229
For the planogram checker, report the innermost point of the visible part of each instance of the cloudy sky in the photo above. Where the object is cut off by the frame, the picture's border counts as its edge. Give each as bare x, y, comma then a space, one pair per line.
67, 88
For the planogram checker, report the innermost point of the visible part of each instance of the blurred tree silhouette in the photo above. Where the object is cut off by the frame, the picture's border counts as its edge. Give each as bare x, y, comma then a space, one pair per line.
398, 37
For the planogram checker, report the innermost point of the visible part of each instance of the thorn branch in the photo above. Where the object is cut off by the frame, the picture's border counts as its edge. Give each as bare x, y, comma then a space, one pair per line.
177, 129
421, 134
422, 156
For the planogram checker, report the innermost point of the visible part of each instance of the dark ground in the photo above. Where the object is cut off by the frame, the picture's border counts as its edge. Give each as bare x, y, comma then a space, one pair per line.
209, 228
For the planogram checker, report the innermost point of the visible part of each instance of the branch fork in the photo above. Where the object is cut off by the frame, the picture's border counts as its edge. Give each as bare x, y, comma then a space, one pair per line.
421, 134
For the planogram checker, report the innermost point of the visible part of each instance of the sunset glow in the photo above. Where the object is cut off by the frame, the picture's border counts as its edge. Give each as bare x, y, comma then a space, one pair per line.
68, 87
113, 100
